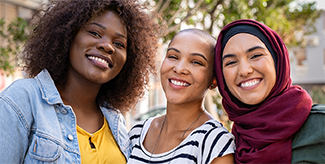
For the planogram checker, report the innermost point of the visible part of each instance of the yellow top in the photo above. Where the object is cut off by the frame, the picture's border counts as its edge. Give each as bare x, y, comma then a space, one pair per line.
100, 147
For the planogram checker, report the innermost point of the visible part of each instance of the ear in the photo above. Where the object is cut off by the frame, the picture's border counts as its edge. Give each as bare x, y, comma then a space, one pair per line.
213, 84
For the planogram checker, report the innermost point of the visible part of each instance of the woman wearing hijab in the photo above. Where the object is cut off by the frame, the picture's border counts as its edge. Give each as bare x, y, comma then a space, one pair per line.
269, 113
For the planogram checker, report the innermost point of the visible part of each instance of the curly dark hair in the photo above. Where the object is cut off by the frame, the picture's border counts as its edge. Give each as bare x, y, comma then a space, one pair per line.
57, 24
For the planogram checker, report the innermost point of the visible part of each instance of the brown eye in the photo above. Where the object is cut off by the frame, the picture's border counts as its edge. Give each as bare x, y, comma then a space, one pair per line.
256, 56
119, 44
94, 33
172, 57
197, 62
230, 63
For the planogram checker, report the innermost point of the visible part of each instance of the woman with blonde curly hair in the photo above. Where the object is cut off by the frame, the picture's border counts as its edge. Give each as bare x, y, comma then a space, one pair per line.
88, 62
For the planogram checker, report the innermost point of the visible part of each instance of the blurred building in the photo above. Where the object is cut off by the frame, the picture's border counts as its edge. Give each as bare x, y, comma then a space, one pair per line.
308, 63
9, 11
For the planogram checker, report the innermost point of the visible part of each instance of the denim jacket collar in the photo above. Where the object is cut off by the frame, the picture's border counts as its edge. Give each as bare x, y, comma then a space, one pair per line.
48, 88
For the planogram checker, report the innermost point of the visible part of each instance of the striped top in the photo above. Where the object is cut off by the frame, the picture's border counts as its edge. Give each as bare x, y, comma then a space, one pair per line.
202, 145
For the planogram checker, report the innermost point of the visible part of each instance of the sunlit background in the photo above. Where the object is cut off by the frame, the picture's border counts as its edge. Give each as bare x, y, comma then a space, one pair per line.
301, 23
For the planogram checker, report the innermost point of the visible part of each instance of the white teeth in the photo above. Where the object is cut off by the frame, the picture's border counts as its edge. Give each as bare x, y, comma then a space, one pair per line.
250, 83
98, 59
178, 83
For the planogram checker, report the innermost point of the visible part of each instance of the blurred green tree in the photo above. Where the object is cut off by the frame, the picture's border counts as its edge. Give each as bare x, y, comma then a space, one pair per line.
291, 19
13, 35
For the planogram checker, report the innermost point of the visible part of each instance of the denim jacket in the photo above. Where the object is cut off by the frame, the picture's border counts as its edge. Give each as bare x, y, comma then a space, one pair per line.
308, 144
36, 127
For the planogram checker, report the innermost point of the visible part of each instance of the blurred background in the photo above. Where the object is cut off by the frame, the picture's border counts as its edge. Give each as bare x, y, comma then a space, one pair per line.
301, 24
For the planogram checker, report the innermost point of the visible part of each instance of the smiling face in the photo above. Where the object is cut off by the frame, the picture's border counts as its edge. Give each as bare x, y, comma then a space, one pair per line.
187, 70
98, 52
248, 68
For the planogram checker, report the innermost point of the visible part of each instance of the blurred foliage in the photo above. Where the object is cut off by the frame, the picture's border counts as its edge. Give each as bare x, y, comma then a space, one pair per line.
223, 116
13, 35
317, 93
290, 19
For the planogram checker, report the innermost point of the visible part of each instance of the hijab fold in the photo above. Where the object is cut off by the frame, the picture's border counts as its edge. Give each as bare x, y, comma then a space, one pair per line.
264, 131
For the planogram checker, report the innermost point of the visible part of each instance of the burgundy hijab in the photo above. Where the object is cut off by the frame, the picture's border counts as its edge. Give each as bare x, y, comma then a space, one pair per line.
264, 131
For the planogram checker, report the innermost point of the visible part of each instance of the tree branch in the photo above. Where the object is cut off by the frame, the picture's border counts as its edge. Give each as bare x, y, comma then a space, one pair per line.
158, 5
189, 14
163, 8
171, 20
212, 17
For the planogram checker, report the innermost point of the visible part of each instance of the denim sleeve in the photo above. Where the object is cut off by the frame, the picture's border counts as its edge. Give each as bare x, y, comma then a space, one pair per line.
308, 145
14, 131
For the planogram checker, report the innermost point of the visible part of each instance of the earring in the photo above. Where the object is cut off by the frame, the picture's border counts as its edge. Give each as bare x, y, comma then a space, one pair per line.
213, 84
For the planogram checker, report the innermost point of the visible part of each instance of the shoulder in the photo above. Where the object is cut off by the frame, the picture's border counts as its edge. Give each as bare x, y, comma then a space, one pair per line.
20, 86
16, 103
212, 136
217, 141
309, 142
214, 131
318, 108
136, 129
21, 91
213, 127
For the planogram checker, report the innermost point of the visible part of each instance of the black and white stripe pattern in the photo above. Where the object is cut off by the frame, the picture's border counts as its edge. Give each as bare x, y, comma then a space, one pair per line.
202, 145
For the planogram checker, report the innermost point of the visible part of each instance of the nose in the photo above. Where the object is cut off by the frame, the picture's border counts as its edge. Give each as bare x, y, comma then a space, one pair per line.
245, 68
181, 68
106, 46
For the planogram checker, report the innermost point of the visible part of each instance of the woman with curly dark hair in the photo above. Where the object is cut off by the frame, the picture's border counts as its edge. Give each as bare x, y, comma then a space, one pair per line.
88, 62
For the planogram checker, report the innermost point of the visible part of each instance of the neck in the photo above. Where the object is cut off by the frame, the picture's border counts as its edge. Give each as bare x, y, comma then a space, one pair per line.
179, 117
78, 95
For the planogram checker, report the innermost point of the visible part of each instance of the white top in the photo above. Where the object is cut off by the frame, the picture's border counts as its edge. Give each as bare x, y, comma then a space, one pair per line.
202, 145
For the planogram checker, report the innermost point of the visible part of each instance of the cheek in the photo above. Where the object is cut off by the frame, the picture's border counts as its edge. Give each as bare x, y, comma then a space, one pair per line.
73, 51
269, 72
229, 75
165, 66
123, 58
272, 79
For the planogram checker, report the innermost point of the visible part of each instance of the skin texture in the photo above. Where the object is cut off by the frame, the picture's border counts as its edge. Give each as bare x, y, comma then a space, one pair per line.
248, 68
186, 75
49, 44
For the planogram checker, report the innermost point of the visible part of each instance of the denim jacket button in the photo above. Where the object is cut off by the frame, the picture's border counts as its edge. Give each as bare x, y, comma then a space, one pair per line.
64, 111
70, 137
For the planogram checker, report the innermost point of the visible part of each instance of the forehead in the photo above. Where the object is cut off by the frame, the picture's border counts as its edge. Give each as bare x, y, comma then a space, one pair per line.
242, 41
109, 18
189, 42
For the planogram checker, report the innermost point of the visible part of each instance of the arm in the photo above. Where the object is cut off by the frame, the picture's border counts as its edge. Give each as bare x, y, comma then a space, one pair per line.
14, 132
227, 159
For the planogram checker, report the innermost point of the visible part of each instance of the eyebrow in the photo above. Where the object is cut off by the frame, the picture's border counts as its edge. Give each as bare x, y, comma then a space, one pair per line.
193, 54
228, 56
254, 48
249, 50
104, 28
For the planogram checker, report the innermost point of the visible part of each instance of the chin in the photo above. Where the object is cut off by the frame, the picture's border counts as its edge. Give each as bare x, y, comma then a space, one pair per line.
250, 102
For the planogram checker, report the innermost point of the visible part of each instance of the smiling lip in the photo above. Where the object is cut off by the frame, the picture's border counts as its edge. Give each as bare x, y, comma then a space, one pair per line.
100, 61
249, 84
178, 84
